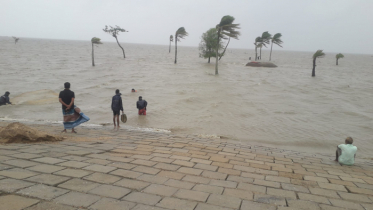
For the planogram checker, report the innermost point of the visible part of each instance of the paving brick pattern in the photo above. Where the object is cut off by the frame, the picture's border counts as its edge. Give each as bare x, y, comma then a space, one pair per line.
144, 170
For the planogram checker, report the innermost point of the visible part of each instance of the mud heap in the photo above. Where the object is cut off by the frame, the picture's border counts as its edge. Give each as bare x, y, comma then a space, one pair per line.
20, 133
261, 64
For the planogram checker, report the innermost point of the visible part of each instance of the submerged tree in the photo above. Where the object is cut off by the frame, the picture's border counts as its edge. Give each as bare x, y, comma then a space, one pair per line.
318, 54
277, 40
180, 34
94, 41
15, 39
114, 31
225, 29
338, 56
208, 44
171, 40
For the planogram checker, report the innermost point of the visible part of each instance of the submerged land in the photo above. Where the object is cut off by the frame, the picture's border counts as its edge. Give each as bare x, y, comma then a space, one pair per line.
102, 169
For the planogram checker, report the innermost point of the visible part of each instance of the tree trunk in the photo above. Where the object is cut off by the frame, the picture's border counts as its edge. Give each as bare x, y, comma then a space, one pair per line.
229, 39
217, 55
314, 66
169, 51
337, 61
124, 55
270, 54
209, 60
175, 48
93, 57
256, 52
260, 56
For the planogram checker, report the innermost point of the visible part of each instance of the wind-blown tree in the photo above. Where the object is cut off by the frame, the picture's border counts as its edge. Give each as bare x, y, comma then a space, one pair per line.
318, 54
94, 41
277, 40
260, 46
15, 39
338, 56
171, 40
114, 31
225, 29
222, 54
258, 41
180, 34
209, 41
266, 37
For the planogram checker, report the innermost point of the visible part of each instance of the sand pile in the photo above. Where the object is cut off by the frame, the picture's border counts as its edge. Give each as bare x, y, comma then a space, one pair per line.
18, 132
261, 64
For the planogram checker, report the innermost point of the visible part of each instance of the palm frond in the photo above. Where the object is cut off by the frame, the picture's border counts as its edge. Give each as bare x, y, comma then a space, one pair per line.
266, 37
318, 54
96, 40
339, 55
181, 33
227, 28
276, 39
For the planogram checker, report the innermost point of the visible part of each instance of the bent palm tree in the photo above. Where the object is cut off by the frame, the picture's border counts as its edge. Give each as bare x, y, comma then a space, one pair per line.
15, 39
225, 29
114, 32
222, 54
318, 54
277, 40
257, 42
171, 40
266, 37
94, 41
180, 34
338, 56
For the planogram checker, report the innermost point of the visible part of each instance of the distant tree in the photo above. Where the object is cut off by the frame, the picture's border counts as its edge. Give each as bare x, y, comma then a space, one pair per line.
180, 34
171, 40
260, 46
208, 44
94, 41
266, 37
258, 41
318, 54
277, 40
225, 29
114, 31
15, 39
338, 56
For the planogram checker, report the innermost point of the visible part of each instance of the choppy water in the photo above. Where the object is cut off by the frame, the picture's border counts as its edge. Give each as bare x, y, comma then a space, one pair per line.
283, 106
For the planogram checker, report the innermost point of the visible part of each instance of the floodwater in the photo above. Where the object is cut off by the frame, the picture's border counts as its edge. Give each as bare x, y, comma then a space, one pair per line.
283, 107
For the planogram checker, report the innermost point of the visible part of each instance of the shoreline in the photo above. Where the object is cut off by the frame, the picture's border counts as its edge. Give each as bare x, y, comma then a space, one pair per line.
105, 132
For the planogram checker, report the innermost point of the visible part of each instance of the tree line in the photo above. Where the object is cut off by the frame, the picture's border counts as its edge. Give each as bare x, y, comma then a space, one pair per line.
212, 41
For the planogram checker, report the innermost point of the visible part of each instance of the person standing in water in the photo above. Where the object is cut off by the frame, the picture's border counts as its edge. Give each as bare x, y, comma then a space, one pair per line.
72, 116
5, 99
116, 106
141, 106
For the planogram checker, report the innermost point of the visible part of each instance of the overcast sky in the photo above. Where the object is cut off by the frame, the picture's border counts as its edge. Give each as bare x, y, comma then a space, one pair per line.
306, 25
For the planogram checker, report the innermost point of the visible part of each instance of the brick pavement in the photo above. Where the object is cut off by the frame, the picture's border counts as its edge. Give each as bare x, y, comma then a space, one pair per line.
142, 170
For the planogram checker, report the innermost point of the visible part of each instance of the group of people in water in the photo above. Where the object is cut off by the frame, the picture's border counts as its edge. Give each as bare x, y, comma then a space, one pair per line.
73, 116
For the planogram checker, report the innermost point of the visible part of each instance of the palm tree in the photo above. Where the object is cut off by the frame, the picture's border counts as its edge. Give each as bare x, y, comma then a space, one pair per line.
114, 32
258, 40
277, 40
318, 54
171, 40
260, 45
94, 41
180, 34
266, 37
338, 56
15, 39
225, 29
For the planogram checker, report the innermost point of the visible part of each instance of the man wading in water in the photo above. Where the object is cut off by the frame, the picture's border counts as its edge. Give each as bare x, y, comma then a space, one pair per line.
141, 106
5, 99
72, 116
116, 106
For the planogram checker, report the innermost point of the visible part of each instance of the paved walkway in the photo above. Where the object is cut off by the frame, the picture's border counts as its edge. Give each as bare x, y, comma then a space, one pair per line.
158, 171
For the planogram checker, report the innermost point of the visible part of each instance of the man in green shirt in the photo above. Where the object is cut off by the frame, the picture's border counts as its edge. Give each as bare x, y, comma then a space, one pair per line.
346, 153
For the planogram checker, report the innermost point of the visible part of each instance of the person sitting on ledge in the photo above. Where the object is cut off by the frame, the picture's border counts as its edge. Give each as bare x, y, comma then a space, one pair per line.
346, 153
